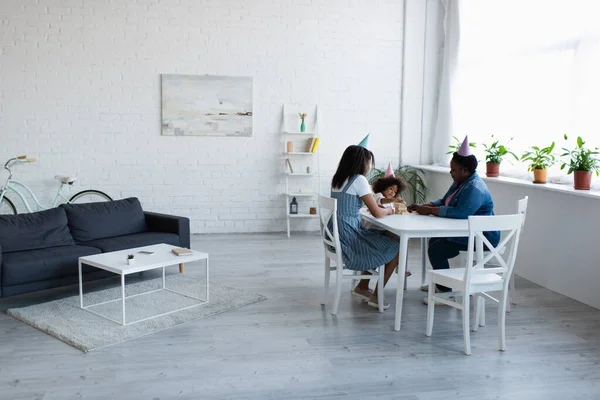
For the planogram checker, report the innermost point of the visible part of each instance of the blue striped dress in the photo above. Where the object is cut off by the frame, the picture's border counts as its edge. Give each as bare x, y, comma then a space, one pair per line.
362, 249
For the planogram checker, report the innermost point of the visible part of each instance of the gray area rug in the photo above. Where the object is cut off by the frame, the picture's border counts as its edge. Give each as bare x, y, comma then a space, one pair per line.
64, 320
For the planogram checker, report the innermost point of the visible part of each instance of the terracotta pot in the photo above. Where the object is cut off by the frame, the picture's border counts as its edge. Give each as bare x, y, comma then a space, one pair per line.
492, 169
539, 175
583, 179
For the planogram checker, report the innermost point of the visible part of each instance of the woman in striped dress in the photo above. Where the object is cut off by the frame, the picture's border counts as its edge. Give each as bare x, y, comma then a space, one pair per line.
362, 249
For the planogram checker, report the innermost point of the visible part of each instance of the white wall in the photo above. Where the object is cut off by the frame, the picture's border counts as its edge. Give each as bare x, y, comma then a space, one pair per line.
80, 90
559, 246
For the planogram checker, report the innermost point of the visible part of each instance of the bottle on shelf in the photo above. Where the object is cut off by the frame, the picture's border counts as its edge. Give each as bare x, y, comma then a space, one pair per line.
294, 206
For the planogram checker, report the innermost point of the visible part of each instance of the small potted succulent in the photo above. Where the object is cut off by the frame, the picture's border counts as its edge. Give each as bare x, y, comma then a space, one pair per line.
130, 259
495, 152
453, 148
540, 159
582, 162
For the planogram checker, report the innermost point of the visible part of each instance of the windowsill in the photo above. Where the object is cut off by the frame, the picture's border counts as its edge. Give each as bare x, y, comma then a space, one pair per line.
552, 187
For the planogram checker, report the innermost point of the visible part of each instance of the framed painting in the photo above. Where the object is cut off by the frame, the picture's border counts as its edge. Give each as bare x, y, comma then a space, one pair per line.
206, 105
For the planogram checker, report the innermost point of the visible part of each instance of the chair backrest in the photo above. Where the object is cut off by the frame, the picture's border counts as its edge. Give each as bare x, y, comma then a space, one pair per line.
510, 226
329, 224
522, 207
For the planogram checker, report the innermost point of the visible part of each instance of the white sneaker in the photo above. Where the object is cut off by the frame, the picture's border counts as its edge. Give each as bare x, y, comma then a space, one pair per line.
374, 303
424, 288
364, 295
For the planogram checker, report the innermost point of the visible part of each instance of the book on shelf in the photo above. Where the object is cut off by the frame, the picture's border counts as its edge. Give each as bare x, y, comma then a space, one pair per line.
309, 144
182, 251
315, 145
289, 164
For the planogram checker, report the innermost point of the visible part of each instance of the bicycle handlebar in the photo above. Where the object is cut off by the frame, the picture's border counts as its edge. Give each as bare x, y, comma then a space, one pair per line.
30, 160
21, 157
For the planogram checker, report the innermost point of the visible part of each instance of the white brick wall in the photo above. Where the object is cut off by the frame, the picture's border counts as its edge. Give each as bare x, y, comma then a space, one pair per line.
80, 90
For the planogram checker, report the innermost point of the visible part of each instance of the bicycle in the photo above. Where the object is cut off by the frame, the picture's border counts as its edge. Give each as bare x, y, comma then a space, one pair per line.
8, 207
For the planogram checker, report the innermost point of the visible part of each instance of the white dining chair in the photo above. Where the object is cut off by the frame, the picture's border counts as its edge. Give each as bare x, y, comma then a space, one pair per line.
333, 253
477, 280
521, 209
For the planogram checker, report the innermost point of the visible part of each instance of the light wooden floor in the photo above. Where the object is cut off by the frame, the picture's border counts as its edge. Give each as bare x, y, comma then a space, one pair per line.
288, 347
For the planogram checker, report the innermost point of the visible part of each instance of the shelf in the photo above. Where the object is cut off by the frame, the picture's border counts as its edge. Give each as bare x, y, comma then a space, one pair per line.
303, 215
301, 173
301, 152
300, 194
300, 133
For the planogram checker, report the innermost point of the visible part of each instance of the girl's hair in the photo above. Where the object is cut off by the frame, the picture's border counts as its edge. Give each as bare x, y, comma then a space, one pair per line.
468, 162
353, 162
381, 184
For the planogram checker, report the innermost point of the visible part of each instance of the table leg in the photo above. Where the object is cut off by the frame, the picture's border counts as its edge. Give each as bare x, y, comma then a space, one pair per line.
181, 269
123, 296
80, 286
207, 284
400, 287
423, 261
163, 277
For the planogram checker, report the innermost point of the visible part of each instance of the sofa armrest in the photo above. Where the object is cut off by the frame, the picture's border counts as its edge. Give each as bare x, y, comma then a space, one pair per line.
170, 224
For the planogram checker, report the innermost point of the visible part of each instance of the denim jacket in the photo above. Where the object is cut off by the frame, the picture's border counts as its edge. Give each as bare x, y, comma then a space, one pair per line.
472, 198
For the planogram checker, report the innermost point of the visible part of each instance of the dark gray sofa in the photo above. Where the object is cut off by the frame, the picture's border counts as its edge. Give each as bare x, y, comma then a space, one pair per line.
40, 250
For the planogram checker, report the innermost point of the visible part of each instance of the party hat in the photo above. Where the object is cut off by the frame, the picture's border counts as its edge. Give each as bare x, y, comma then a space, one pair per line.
389, 171
365, 142
464, 150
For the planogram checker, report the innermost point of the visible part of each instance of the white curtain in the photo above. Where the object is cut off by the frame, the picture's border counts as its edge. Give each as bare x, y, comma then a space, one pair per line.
443, 126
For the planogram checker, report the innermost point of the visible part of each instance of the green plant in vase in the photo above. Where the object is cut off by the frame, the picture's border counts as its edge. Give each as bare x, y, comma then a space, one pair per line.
414, 178
582, 162
540, 159
453, 148
494, 153
302, 125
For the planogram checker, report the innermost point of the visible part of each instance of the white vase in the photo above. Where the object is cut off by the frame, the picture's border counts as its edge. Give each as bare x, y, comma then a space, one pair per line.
130, 261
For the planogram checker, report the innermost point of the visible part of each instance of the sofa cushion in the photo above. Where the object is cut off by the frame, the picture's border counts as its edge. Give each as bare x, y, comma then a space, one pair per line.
43, 264
105, 219
134, 240
36, 230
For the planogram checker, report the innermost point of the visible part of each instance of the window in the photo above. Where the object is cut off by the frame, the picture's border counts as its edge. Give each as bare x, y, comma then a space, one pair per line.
528, 70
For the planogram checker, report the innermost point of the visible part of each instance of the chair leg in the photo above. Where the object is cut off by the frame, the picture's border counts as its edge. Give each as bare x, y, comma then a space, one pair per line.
466, 328
327, 275
338, 289
354, 281
380, 288
430, 308
502, 322
512, 293
476, 313
481, 311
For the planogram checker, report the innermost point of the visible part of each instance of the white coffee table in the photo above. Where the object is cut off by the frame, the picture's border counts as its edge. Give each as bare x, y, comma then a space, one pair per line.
116, 262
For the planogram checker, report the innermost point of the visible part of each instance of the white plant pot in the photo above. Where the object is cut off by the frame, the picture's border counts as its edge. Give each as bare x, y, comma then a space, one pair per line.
130, 261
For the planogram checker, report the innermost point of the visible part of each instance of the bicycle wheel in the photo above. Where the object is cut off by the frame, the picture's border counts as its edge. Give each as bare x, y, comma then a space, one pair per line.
89, 196
7, 207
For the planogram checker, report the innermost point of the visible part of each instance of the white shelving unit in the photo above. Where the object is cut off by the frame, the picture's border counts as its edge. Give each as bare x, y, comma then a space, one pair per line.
300, 160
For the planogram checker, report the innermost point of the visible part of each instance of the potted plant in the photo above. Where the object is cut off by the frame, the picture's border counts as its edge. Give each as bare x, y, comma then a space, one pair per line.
414, 178
495, 152
539, 161
582, 162
130, 259
453, 148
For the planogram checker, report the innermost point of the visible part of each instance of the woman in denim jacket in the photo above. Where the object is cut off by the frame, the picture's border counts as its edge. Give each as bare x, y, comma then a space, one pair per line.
468, 195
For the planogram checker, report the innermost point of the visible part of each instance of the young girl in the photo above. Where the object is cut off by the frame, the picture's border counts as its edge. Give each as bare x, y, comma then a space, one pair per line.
362, 249
388, 190
387, 194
